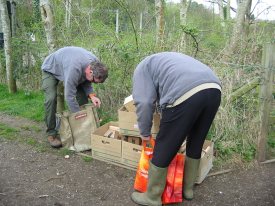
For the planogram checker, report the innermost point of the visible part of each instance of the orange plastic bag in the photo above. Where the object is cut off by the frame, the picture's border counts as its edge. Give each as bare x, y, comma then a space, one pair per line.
173, 190
143, 167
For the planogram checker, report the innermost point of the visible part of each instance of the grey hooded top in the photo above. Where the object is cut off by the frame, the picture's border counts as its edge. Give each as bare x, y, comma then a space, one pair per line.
68, 64
163, 78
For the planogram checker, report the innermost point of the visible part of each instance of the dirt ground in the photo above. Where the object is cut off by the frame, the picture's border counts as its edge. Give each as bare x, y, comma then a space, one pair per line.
29, 177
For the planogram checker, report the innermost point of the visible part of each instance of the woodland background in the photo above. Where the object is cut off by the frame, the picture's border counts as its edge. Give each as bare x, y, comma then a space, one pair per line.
122, 32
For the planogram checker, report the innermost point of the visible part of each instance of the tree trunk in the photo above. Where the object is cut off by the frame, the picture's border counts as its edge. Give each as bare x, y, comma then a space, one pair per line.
68, 6
140, 25
117, 22
248, 18
238, 27
159, 6
184, 6
221, 13
49, 25
7, 46
13, 18
248, 9
228, 16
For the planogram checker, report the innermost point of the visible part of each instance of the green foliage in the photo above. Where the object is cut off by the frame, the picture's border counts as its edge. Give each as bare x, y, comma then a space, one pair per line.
2, 68
106, 117
271, 140
249, 152
190, 30
226, 149
27, 62
36, 10
24, 103
214, 41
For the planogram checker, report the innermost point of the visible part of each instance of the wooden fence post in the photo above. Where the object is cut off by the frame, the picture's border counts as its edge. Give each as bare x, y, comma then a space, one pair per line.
266, 98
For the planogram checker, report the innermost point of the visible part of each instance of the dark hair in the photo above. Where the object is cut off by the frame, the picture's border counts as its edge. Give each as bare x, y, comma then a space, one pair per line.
100, 71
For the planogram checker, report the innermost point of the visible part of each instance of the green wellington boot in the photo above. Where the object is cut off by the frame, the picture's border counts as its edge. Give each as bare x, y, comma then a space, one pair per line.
155, 187
190, 173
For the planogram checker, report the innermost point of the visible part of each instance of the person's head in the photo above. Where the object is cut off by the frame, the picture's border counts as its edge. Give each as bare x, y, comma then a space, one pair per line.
98, 72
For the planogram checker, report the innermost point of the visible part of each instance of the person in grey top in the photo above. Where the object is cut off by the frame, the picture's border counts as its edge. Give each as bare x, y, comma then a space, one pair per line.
78, 69
188, 94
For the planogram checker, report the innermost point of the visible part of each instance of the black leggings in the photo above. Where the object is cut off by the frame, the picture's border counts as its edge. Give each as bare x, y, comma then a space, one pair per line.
191, 119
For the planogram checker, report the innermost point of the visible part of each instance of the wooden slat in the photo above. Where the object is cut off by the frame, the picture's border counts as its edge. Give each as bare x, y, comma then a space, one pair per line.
266, 99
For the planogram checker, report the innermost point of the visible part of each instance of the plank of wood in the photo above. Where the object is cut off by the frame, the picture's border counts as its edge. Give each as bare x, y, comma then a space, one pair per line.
219, 172
265, 100
268, 161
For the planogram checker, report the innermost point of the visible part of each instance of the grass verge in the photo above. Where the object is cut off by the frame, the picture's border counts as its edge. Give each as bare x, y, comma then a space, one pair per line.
24, 104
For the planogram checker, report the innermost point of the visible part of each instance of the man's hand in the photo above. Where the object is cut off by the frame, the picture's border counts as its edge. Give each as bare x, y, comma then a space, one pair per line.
96, 101
145, 138
147, 141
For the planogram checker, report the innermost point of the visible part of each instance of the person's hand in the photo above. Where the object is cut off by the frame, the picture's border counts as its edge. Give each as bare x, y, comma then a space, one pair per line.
146, 141
96, 101
145, 138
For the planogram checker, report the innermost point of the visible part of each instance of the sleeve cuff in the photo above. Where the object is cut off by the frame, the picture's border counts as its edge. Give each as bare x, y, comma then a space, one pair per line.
92, 95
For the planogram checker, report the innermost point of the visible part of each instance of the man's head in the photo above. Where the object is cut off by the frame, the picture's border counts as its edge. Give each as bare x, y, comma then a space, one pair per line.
98, 72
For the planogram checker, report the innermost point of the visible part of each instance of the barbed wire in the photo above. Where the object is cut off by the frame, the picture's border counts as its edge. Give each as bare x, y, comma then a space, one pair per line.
244, 66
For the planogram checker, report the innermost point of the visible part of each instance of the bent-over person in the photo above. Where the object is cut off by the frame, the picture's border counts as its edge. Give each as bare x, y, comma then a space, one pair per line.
78, 69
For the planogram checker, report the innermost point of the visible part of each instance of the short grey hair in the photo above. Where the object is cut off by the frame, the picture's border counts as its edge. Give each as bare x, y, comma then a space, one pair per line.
100, 71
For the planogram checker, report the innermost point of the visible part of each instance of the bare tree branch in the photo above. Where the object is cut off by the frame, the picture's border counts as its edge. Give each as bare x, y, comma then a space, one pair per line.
215, 2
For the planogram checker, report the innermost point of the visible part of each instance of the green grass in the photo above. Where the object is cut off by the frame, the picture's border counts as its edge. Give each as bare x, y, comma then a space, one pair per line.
31, 128
8, 132
87, 159
23, 104
65, 151
32, 142
11, 134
